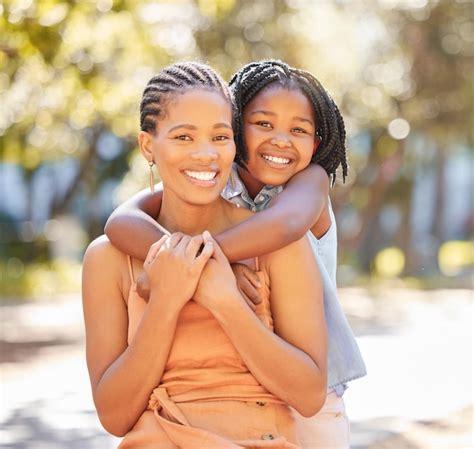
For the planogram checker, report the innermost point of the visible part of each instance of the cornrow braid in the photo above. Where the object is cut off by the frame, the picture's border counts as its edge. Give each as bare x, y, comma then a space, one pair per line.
254, 77
176, 79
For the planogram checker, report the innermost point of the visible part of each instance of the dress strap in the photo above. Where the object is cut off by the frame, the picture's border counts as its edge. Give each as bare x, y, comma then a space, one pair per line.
130, 269
257, 265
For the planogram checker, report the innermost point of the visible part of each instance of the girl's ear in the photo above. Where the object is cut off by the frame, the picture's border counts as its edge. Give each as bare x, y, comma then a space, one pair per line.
317, 141
145, 144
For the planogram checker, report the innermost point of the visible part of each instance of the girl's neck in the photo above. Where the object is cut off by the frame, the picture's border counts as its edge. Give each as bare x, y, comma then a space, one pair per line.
176, 215
252, 185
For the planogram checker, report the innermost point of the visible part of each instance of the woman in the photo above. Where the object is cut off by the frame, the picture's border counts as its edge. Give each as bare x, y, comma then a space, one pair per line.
195, 365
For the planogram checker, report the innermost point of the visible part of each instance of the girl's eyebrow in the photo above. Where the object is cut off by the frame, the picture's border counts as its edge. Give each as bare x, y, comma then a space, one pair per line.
301, 119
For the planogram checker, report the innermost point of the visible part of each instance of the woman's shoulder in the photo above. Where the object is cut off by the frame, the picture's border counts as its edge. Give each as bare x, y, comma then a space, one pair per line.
101, 255
296, 253
102, 248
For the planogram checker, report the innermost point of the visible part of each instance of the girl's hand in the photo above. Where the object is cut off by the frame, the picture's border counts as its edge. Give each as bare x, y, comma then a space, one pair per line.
247, 283
217, 283
143, 286
174, 265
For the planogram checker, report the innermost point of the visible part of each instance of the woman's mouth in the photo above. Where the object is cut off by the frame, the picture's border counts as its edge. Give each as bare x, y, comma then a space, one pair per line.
202, 178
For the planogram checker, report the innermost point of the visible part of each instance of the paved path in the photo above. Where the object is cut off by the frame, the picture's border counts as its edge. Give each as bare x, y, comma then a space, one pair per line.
417, 346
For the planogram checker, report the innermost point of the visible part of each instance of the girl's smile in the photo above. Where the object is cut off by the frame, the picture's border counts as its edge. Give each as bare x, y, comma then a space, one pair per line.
279, 130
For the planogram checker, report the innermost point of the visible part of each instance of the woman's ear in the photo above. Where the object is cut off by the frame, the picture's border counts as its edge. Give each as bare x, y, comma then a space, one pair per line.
145, 144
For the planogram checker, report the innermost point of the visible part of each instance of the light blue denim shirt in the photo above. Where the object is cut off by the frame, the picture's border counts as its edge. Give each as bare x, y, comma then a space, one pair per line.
345, 361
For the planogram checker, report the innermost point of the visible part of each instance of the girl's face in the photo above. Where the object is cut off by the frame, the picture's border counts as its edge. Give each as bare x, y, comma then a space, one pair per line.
279, 131
194, 146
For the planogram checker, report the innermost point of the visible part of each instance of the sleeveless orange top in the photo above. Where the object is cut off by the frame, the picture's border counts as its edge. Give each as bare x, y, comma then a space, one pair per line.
203, 367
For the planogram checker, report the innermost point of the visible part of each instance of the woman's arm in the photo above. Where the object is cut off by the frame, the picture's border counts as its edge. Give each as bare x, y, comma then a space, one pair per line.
291, 214
131, 226
290, 363
123, 377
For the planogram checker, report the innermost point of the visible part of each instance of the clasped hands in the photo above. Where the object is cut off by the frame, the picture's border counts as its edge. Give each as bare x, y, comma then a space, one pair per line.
181, 267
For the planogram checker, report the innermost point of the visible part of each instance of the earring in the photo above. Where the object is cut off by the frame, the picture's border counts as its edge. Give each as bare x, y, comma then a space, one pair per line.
152, 176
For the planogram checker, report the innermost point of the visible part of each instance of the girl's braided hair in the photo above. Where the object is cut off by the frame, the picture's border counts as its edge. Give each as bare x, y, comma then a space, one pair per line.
254, 77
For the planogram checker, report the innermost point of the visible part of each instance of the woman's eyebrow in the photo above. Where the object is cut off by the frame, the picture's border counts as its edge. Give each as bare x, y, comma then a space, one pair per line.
183, 125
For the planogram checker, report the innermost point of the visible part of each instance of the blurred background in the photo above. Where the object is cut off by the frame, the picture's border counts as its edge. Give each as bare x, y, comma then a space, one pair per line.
72, 74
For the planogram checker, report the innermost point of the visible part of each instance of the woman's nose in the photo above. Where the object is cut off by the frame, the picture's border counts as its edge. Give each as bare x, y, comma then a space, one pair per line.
205, 154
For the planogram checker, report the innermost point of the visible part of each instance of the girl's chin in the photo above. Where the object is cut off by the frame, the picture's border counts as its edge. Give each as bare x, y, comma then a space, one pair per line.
274, 180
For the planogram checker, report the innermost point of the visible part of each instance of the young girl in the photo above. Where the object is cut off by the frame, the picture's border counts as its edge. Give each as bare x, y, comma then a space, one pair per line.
195, 366
290, 137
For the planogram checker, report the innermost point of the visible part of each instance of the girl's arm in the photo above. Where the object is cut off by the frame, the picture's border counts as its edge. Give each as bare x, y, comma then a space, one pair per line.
290, 362
290, 215
132, 227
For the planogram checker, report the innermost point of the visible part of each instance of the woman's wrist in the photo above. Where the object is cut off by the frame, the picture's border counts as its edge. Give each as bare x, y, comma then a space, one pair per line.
227, 306
165, 305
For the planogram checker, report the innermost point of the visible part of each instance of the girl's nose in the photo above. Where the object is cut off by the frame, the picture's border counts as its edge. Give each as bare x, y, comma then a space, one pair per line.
281, 141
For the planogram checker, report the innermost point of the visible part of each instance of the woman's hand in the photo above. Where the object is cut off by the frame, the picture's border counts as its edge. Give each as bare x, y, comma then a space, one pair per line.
248, 284
217, 283
174, 265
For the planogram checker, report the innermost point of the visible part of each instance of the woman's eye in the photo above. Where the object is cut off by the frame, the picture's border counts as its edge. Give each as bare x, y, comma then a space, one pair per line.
264, 124
221, 138
184, 137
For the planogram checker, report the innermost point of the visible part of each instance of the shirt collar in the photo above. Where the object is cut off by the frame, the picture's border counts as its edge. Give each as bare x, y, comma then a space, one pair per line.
236, 188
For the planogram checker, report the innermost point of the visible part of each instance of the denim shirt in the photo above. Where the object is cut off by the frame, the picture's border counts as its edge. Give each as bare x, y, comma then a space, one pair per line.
345, 361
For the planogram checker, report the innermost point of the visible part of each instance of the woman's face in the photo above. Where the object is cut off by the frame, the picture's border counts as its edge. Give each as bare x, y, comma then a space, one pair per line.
194, 145
279, 132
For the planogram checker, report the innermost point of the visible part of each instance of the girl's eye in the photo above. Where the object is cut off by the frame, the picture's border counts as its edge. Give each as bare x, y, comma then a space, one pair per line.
264, 124
299, 131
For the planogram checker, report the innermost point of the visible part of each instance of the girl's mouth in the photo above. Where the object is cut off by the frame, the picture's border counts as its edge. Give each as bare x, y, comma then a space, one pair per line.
275, 160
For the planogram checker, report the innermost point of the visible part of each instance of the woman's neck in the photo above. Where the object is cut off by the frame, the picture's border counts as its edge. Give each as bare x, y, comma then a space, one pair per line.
176, 215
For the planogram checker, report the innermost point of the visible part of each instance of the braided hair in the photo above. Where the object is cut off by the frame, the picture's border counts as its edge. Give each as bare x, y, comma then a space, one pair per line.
254, 77
173, 80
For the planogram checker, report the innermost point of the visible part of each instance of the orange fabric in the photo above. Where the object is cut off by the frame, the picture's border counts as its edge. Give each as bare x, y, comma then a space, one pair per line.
207, 397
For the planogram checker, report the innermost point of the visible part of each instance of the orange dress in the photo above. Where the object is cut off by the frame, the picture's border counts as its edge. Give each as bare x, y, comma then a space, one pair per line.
207, 397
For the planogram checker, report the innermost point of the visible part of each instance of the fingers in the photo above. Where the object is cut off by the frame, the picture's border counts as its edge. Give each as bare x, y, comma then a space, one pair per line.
175, 239
251, 276
249, 291
194, 246
206, 254
248, 301
143, 286
154, 249
218, 253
